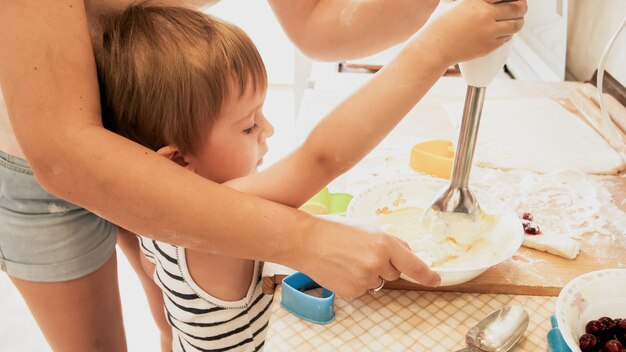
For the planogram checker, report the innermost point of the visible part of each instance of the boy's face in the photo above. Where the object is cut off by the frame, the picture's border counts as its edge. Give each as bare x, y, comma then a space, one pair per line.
235, 145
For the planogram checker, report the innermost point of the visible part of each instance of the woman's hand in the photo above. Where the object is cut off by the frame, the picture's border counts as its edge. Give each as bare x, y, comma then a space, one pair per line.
465, 29
351, 260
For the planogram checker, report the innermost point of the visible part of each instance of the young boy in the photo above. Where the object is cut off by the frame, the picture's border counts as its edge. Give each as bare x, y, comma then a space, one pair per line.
194, 93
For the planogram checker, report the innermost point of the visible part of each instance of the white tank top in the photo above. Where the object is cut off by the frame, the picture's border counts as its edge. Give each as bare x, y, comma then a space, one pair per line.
201, 322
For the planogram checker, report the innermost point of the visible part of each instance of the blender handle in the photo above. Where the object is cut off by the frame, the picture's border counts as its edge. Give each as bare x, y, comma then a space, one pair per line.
479, 72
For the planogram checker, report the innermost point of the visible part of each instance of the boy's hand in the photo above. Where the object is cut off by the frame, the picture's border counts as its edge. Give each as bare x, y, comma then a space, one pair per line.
350, 260
465, 29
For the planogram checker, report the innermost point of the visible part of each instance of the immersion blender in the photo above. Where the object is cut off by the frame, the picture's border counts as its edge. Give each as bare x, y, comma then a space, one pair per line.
478, 73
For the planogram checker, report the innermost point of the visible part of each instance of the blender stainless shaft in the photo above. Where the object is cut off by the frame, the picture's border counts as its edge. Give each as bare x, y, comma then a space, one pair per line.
457, 197
477, 73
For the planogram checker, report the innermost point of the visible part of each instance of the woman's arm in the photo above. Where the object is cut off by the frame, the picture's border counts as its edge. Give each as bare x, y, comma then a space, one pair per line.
48, 78
348, 29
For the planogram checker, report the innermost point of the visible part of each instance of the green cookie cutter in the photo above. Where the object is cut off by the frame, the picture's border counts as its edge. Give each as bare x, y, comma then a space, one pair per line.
325, 202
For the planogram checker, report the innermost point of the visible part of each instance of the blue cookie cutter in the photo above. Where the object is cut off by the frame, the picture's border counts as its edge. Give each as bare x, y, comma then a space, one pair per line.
319, 310
555, 339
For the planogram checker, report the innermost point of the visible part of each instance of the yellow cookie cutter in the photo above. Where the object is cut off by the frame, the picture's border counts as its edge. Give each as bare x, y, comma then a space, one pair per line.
433, 157
325, 202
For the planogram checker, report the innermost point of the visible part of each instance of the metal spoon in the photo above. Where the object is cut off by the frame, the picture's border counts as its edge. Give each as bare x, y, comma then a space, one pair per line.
457, 198
497, 332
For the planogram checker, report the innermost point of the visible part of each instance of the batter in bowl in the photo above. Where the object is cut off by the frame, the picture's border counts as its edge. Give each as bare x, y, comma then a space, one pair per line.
443, 240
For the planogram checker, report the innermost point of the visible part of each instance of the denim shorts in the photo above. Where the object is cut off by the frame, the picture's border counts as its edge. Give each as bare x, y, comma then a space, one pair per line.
44, 238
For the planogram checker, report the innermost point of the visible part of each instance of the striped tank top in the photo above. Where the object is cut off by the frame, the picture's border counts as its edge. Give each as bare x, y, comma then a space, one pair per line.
199, 321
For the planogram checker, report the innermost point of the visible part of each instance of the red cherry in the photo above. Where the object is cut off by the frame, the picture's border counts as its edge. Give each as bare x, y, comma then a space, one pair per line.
595, 327
588, 343
622, 338
613, 346
532, 229
608, 323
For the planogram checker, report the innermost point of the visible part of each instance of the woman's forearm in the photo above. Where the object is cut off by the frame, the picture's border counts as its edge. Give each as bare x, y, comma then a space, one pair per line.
148, 194
348, 29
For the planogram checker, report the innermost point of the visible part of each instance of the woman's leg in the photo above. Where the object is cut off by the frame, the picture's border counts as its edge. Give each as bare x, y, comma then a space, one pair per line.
80, 315
129, 244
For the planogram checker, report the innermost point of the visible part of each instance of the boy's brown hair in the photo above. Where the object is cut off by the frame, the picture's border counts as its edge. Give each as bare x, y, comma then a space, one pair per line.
164, 72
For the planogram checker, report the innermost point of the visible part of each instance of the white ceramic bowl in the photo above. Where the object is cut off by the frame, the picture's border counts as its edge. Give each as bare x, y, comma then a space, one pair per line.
589, 297
507, 235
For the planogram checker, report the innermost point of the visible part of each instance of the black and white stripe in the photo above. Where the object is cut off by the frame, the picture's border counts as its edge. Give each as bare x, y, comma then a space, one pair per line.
199, 321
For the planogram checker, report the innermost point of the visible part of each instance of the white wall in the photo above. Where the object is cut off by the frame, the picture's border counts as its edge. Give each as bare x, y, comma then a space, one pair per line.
545, 33
257, 20
591, 24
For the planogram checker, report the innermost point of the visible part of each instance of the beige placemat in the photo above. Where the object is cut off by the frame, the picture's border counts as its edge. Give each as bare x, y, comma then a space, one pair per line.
397, 320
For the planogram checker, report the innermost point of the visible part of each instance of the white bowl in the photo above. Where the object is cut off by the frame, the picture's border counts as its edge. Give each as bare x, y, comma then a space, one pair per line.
507, 234
589, 297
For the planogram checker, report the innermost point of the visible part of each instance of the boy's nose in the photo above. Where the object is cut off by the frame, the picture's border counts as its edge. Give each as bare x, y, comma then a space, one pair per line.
268, 129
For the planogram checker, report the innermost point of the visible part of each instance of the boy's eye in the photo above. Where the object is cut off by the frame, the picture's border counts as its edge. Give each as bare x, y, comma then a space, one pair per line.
249, 130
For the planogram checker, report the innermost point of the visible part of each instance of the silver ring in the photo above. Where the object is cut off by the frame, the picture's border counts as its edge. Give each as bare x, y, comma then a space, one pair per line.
380, 287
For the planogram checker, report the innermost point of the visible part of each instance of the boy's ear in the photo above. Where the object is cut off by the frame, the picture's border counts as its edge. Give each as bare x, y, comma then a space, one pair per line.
172, 153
